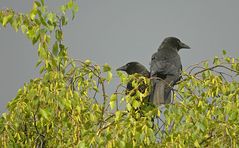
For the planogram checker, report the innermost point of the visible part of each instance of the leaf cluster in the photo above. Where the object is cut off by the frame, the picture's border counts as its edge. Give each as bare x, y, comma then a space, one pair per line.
68, 105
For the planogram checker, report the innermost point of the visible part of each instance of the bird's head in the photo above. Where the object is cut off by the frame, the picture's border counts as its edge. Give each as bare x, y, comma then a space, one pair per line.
173, 42
134, 67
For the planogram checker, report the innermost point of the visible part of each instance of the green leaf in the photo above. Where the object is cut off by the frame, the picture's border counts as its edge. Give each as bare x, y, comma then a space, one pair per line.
42, 69
118, 115
196, 144
216, 60
136, 103
109, 76
67, 103
106, 68
129, 107
134, 83
70, 4
43, 21
42, 2
233, 116
37, 3
87, 62
35, 39
44, 114
201, 126
51, 17
205, 64
63, 20
224, 52
15, 24
113, 100
7, 19
63, 9
33, 11
38, 63
55, 49
228, 59
24, 28
158, 112
122, 144
59, 35
4, 115
75, 10
42, 52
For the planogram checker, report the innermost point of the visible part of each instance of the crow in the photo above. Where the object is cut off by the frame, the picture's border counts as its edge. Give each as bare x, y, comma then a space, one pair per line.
165, 70
134, 68
137, 68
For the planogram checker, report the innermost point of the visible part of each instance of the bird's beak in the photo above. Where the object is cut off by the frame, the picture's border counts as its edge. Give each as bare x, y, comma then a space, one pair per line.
122, 68
182, 45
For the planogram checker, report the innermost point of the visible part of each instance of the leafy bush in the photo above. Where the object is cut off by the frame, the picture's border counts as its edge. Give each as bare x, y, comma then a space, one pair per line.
68, 106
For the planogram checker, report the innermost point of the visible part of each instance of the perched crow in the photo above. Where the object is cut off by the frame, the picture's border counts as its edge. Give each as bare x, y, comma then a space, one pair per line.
137, 68
165, 70
133, 68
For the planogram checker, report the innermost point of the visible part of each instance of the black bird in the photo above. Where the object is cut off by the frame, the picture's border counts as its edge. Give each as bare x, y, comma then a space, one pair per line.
137, 68
133, 68
165, 70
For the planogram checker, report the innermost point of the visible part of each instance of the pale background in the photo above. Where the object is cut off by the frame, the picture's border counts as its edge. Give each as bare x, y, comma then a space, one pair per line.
116, 32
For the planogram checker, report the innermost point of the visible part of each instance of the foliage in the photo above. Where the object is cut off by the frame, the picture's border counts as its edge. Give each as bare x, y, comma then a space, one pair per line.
68, 105
207, 113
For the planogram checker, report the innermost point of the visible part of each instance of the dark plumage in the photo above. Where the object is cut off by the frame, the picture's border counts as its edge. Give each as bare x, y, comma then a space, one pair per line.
135, 68
165, 70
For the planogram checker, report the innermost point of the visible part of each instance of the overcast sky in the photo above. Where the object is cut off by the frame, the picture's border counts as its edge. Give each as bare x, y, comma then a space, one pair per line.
116, 32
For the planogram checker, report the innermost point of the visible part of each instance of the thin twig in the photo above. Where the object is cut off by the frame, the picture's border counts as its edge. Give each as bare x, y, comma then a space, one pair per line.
216, 66
98, 83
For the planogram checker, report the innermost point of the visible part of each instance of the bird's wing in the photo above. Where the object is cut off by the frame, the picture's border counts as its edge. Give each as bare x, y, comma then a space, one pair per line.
169, 70
164, 66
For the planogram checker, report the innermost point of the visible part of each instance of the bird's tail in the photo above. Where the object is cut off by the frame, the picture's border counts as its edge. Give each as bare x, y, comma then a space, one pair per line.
161, 92
157, 94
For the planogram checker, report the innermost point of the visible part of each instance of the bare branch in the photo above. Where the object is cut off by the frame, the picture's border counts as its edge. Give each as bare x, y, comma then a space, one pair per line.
216, 66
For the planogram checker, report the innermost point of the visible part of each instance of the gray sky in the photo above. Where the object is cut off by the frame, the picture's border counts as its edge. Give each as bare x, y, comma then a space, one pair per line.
116, 32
